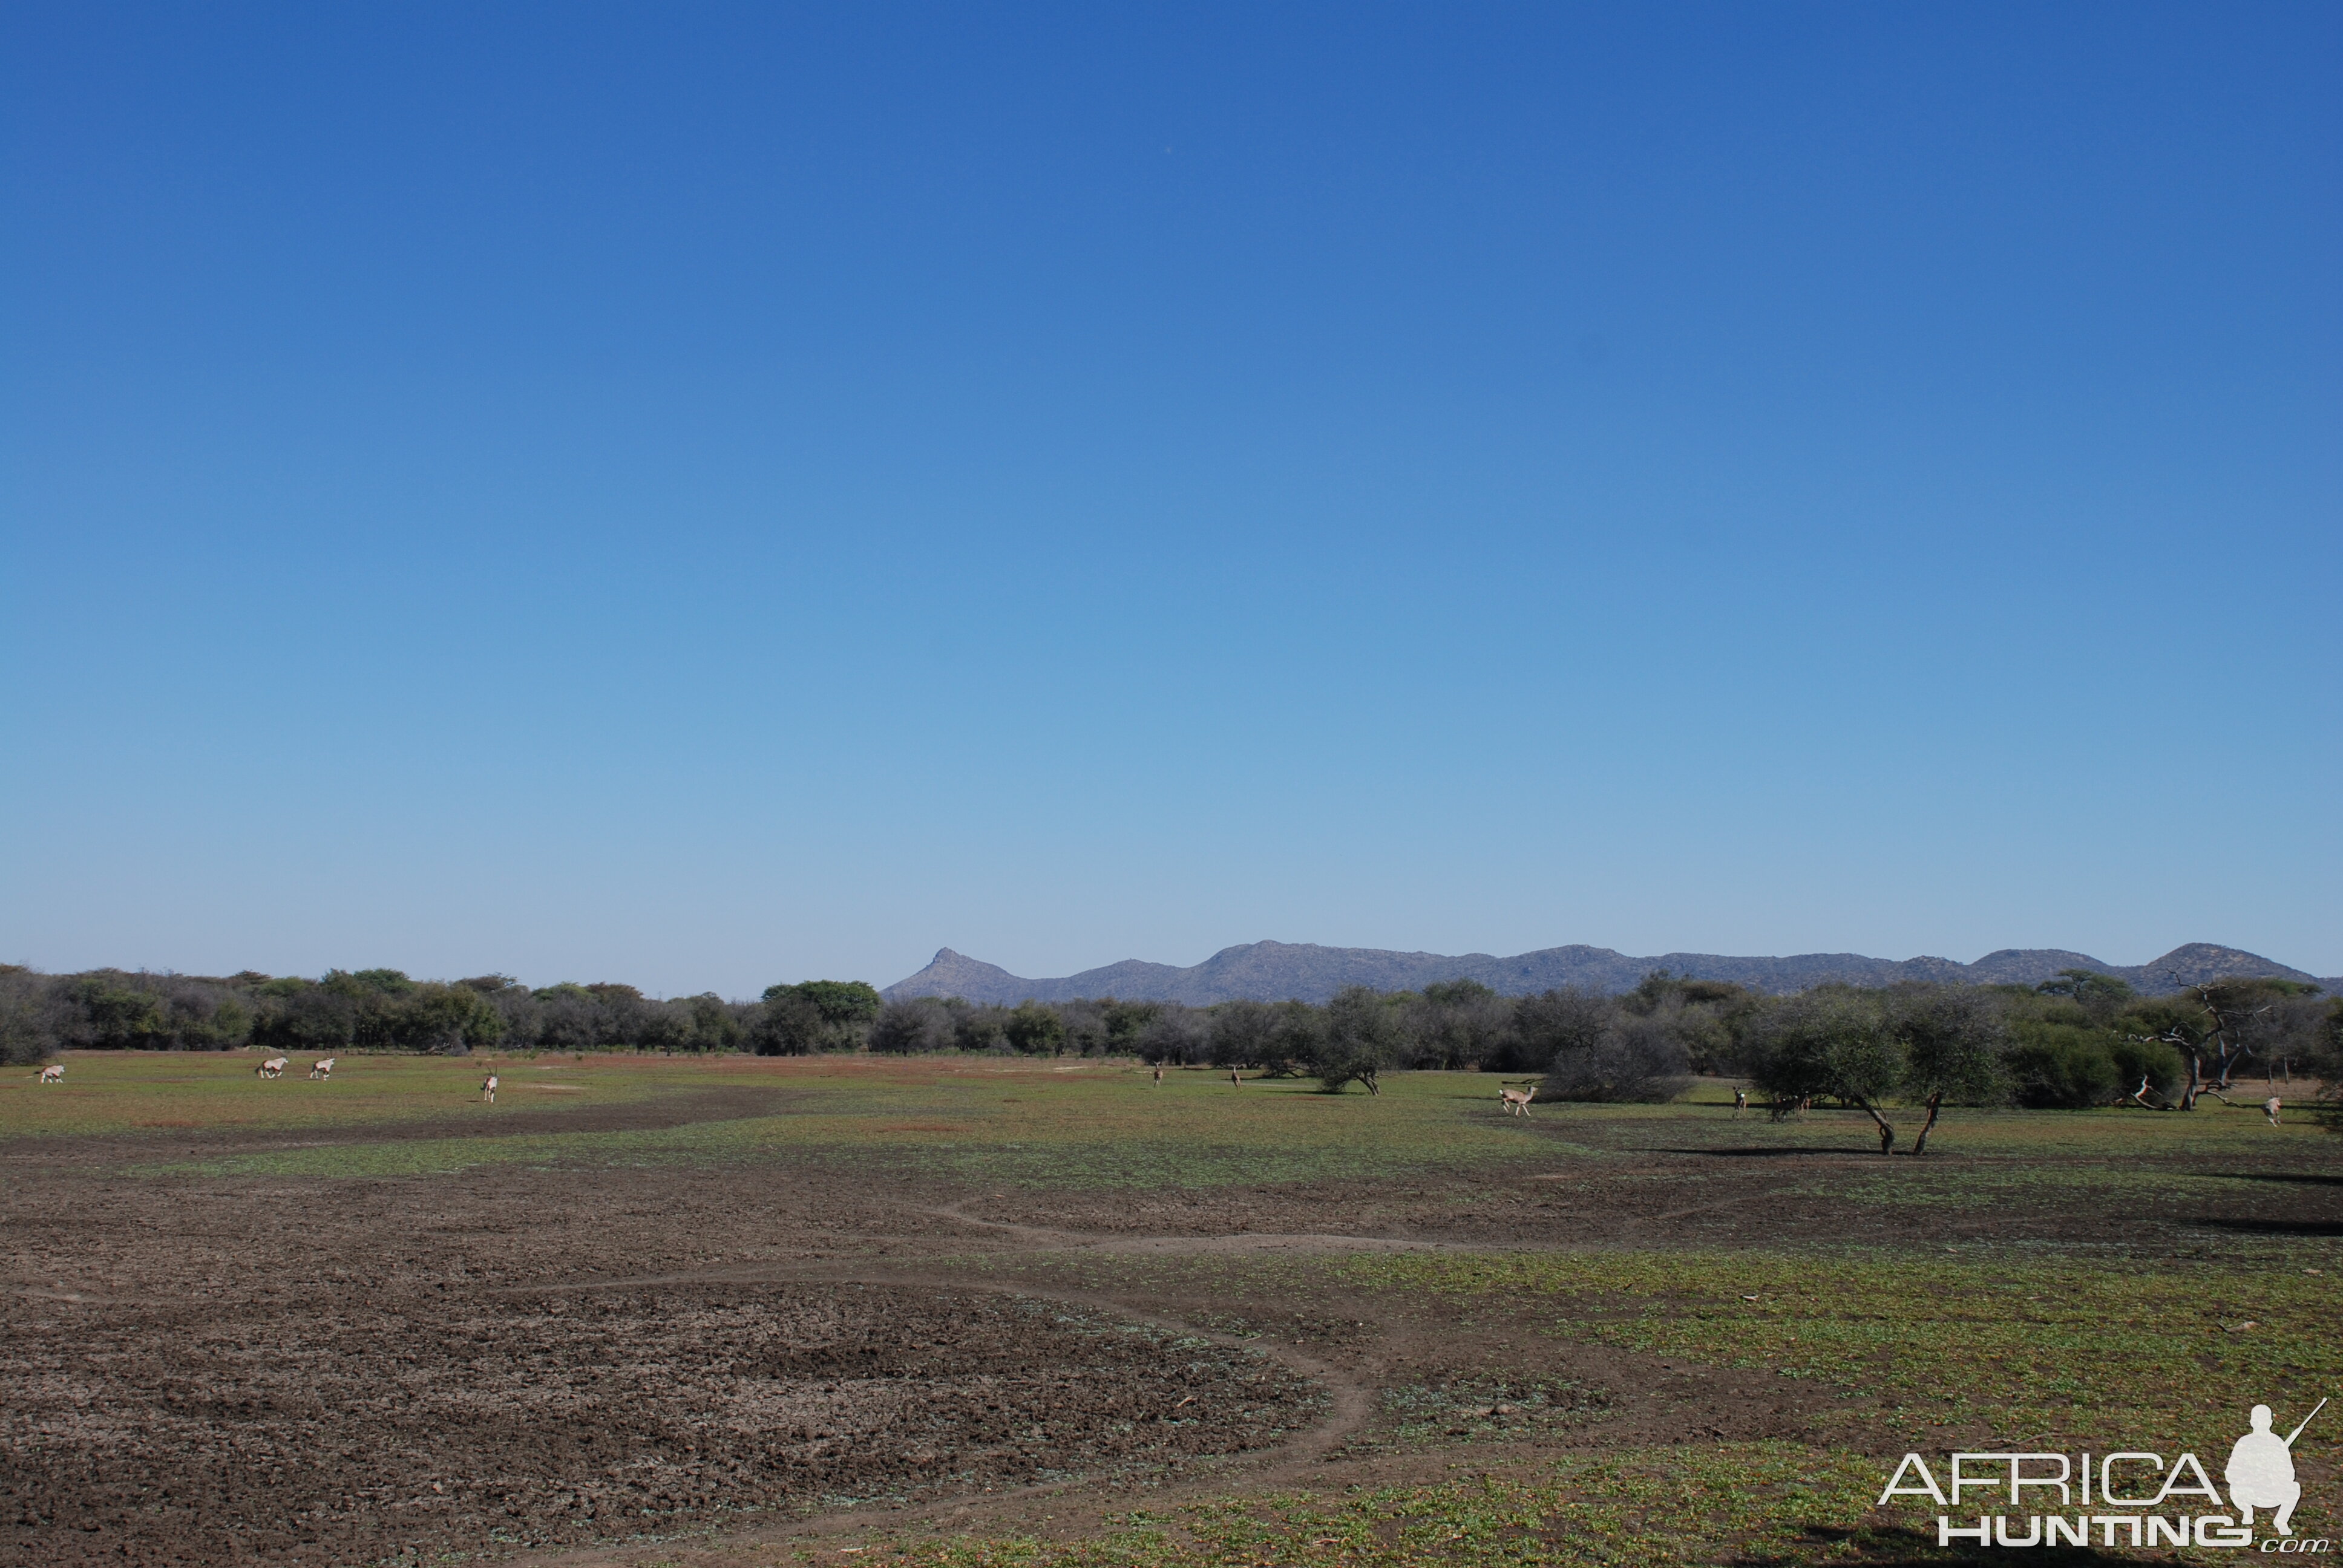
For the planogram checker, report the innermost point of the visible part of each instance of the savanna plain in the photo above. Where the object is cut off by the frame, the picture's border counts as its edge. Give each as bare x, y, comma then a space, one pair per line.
735, 1313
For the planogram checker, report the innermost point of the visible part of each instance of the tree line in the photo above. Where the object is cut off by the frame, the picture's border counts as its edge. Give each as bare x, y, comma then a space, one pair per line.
384, 1009
2082, 1038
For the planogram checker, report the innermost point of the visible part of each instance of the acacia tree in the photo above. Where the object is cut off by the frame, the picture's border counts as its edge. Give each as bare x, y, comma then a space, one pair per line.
1293, 1043
1361, 1037
1953, 1043
1831, 1042
2214, 1026
2100, 997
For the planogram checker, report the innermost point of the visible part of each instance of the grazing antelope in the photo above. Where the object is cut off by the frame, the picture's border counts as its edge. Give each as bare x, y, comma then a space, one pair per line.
2269, 1109
488, 1089
1516, 1101
273, 1067
322, 1068
53, 1073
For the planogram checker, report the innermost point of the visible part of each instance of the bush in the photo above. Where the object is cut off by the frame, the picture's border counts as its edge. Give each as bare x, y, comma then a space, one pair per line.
30, 1017
914, 1026
2151, 1060
1035, 1030
1175, 1034
2060, 1067
1633, 1058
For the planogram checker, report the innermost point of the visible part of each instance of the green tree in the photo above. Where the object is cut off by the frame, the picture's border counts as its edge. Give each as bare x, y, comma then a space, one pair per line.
303, 1015
843, 1004
788, 1024
1241, 1033
714, 1024
448, 1020
1125, 1022
1953, 1042
1035, 1029
1361, 1037
1832, 1043
816, 1015
1458, 1024
2100, 997
32, 1017
915, 1025
114, 1014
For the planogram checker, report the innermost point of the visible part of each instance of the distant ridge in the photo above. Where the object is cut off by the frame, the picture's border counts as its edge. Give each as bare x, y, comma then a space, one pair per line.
1273, 972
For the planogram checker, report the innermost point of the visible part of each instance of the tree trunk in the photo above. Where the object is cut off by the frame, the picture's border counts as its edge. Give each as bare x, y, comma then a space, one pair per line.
1920, 1144
2188, 1095
1886, 1133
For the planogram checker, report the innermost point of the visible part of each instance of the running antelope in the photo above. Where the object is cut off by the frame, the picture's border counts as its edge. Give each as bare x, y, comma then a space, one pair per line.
273, 1067
1516, 1101
53, 1073
488, 1089
2269, 1109
322, 1068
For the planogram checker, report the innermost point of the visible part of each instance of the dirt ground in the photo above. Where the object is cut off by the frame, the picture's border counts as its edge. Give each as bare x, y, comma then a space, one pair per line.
552, 1365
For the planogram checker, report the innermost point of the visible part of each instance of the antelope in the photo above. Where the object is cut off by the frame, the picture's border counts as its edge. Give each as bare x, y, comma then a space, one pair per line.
273, 1067
1516, 1101
53, 1073
1158, 1075
322, 1068
1740, 1101
1234, 1078
2269, 1109
488, 1089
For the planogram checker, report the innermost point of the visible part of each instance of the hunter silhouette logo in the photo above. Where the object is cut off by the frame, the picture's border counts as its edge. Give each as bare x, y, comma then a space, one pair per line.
2122, 1496
2261, 1471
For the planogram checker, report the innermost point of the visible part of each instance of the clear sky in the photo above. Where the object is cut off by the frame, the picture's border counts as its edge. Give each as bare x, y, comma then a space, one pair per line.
708, 494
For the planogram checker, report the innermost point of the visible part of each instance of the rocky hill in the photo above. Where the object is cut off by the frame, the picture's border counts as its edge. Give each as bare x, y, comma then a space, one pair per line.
1275, 970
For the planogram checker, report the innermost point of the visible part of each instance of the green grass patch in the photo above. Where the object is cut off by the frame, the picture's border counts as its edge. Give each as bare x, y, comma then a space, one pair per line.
1745, 1503
2046, 1352
1030, 1124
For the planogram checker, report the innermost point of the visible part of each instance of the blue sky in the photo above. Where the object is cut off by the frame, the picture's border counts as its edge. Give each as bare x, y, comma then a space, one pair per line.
707, 495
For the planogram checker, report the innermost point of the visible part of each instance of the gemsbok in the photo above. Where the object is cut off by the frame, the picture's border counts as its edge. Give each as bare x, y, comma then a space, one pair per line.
488, 1089
322, 1068
1516, 1101
273, 1067
53, 1073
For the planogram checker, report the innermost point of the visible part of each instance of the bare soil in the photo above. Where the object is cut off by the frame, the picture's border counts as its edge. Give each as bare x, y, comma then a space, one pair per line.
569, 1365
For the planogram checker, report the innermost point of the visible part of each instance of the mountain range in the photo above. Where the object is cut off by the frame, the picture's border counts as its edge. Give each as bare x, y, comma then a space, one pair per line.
1273, 971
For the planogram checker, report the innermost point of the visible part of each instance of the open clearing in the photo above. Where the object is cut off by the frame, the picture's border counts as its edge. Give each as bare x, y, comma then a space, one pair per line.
748, 1311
